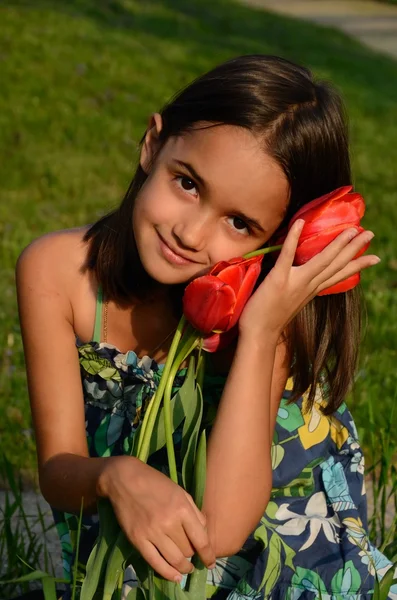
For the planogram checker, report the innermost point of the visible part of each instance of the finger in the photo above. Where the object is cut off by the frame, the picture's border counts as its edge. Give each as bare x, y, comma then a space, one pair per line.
153, 557
287, 254
198, 537
354, 266
323, 259
345, 250
179, 537
173, 554
201, 517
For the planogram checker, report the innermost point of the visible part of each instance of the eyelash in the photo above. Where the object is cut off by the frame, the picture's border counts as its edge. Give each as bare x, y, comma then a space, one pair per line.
178, 178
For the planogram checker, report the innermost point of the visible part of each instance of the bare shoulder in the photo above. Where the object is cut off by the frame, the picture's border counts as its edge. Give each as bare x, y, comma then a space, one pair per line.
54, 254
52, 268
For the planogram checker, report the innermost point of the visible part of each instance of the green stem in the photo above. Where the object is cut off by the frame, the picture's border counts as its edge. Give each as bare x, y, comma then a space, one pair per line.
187, 348
144, 423
200, 371
263, 251
148, 427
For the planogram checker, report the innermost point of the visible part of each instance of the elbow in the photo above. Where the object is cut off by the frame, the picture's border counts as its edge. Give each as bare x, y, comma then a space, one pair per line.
228, 535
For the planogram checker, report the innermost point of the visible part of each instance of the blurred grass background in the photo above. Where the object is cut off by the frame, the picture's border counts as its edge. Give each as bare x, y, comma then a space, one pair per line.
78, 82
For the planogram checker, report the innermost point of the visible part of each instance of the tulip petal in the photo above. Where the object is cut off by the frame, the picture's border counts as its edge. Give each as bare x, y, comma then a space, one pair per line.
330, 216
208, 303
245, 290
233, 275
219, 341
224, 264
342, 286
315, 244
335, 195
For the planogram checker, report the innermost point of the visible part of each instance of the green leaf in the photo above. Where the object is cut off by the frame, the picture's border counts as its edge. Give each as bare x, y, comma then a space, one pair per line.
110, 373
49, 589
120, 553
180, 404
272, 571
301, 486
277, 455
141, 567
33, 576
382, 588
137, 593
96, 565
190, 433
200, 471
261, 535
289, 416
347, 579
289, 554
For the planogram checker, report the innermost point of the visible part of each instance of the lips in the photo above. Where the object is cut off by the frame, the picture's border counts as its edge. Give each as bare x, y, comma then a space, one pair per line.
172, 255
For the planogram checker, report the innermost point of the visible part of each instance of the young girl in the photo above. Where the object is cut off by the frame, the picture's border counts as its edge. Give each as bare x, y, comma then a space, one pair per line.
222, 167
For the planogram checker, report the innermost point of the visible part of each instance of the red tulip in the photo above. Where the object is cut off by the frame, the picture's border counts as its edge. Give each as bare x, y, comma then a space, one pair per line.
219, 341
214, 302
325, 218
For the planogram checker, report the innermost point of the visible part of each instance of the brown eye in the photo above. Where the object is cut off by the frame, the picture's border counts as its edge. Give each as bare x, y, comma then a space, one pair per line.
239, 223
187, 184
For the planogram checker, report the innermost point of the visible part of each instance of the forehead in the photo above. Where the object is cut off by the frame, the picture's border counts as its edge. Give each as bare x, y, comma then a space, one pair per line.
234, 165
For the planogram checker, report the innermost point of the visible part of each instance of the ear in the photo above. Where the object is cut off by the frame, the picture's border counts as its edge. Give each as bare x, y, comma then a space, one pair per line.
151, 142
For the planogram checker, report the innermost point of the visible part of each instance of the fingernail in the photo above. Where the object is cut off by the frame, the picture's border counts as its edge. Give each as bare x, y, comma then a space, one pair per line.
178, 578
370, 235
212, 566
300, 222
352, 233
375, 260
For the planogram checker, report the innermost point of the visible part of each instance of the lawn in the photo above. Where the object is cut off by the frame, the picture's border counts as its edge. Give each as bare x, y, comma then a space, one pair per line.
79, 79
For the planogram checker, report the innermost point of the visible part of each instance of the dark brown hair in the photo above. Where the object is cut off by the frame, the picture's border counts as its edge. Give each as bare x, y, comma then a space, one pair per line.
303, 127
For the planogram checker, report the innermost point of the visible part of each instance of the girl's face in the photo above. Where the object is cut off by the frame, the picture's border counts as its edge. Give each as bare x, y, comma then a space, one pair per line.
211, 194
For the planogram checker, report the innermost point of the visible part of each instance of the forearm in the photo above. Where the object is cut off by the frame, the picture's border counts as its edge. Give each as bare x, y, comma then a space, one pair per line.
67, 478
239, 475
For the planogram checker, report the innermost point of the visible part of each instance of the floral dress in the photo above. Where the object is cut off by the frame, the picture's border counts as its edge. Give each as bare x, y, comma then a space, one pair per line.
312, 541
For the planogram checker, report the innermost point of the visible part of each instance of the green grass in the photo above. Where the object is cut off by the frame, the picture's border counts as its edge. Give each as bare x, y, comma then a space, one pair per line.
79, 79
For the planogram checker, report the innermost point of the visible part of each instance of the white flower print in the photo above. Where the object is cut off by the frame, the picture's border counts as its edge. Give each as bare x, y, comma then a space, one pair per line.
315, 516
120, 362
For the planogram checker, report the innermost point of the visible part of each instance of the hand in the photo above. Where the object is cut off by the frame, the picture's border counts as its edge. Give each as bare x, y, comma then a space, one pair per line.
287, 289
159, 518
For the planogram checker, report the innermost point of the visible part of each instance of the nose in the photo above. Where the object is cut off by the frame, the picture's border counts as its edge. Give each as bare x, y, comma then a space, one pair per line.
193, 231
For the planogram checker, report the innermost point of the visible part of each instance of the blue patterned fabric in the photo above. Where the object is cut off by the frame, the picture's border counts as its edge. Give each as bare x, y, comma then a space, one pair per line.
312, 542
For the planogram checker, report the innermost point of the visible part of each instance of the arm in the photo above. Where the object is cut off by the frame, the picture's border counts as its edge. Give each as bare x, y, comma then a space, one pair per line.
239, 472
65, 471
157, 515
248, 408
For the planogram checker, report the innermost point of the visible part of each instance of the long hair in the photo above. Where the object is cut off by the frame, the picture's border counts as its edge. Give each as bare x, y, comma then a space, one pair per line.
303, 127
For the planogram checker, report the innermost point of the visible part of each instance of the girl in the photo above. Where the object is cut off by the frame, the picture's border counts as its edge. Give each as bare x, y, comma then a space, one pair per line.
222, 167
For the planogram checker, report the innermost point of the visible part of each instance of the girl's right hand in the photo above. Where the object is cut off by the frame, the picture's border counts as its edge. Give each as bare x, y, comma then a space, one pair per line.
159, 518
287, 288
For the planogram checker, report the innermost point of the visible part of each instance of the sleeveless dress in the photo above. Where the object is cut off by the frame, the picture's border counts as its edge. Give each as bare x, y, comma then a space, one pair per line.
312, 541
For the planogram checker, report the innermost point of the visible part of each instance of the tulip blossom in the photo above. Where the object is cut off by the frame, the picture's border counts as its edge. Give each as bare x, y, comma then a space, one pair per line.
325, 218
219, 341
214, 302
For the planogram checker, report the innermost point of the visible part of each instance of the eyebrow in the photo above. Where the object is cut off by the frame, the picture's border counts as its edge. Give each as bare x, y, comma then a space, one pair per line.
191, 170
237, 213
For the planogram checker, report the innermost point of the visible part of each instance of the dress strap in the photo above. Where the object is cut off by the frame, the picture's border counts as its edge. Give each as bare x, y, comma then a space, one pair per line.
98, 315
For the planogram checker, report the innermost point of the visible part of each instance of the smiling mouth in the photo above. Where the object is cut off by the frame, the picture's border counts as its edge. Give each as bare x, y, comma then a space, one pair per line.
172, 256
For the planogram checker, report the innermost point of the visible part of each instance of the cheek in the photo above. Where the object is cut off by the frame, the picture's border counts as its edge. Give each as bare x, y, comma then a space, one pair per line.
154, 203
224, 247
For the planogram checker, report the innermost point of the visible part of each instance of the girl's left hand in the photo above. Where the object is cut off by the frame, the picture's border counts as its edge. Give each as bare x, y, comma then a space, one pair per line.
287, 289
